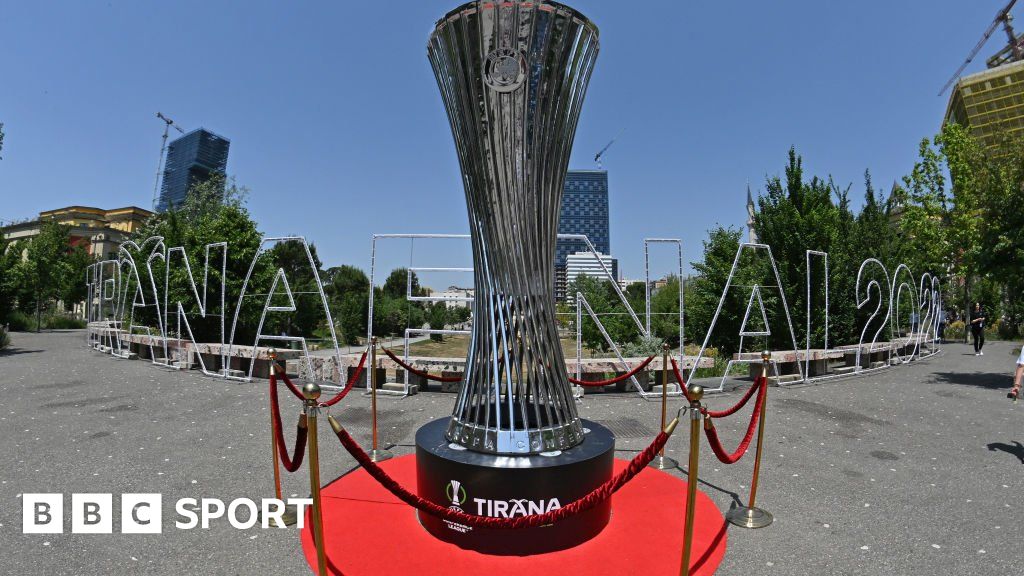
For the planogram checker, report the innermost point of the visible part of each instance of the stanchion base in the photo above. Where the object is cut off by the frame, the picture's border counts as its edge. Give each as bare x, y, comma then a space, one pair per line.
749, 517
289, 517
663, 463
380, 455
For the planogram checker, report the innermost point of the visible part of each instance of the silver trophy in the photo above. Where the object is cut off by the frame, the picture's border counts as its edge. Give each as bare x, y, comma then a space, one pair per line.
513, 76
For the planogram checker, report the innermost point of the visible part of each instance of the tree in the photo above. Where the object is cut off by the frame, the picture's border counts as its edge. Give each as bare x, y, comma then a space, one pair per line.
704, 290
795, 215
348, 291
290, 256
601, 297
665, 312
45, 269
393, 311
212, 212
437, 317
72, 289
10, 256
396, 285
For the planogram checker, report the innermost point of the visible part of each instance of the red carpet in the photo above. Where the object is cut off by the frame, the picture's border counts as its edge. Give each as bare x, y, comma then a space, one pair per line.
369, 532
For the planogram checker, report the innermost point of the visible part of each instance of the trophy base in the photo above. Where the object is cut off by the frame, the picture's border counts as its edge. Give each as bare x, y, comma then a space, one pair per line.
507, 486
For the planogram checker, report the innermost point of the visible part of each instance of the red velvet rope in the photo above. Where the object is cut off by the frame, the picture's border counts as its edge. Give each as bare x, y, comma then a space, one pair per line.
716, 445
758, 382
679, 379
587, 502
348, 385
615, 380
421, 373
294, 389
300, 432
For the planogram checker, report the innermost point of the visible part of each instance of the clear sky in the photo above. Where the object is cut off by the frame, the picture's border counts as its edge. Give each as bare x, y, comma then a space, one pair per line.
337, 127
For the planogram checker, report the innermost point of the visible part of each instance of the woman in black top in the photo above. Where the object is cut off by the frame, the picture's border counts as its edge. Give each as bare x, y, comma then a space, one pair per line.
978, 328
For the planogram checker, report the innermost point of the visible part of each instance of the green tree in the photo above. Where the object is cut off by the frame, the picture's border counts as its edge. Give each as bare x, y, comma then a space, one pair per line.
704, 290
45, 269
10, 256
665, 312
348, 290
605, 303
72, 289
795, 215
290, 256
214, 211
437, 317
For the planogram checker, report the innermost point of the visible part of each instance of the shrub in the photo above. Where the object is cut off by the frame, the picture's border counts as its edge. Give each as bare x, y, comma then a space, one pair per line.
62, 322
18, 321
647, 346
994, 329
955, 330
5, 338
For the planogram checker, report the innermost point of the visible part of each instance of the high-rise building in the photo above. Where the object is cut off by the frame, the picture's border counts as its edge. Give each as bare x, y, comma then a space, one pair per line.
191, 159
990, 103
584, 211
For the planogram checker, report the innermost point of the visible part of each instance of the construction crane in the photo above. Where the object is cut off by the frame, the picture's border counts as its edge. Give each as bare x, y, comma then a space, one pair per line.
168, 123
597, 157
1012, 52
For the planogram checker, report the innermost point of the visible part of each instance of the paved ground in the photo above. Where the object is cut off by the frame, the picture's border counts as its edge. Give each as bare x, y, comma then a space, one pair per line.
912, 470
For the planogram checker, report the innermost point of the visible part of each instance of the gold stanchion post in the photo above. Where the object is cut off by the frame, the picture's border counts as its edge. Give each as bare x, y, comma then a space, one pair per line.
662, 462
750, 516
289, 517
692, 478
312, 393
376, 454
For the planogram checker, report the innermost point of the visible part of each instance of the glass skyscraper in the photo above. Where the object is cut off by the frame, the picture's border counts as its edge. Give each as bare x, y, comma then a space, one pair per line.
191, 159
584, 211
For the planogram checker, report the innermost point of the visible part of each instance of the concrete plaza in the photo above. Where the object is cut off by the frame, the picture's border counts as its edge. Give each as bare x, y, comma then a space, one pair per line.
915, 469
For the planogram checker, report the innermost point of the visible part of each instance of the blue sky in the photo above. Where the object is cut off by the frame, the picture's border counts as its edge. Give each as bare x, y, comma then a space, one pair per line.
337, 127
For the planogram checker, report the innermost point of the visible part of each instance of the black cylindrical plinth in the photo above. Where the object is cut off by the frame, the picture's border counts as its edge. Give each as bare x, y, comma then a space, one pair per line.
508, 486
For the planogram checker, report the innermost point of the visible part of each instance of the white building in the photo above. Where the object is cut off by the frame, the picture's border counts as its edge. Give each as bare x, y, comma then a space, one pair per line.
587, 264
456, 297
626, 283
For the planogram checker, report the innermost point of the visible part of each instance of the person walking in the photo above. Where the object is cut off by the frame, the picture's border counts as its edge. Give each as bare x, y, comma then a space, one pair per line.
1018, 375
978, 328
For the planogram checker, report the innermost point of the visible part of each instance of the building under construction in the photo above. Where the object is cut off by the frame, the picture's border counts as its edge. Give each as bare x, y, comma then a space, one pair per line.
991, 103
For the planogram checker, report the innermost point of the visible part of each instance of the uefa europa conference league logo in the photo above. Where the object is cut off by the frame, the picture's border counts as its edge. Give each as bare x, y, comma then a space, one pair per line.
511, 508
143, 513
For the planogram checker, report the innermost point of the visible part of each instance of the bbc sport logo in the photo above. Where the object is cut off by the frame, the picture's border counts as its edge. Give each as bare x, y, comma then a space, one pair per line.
93, 513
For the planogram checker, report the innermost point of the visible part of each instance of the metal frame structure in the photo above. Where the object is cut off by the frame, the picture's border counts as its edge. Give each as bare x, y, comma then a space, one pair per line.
682, 291
110, 283
718, 311
373, 270
860, 304
895, 297
411, 331
807, 349
267, 307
